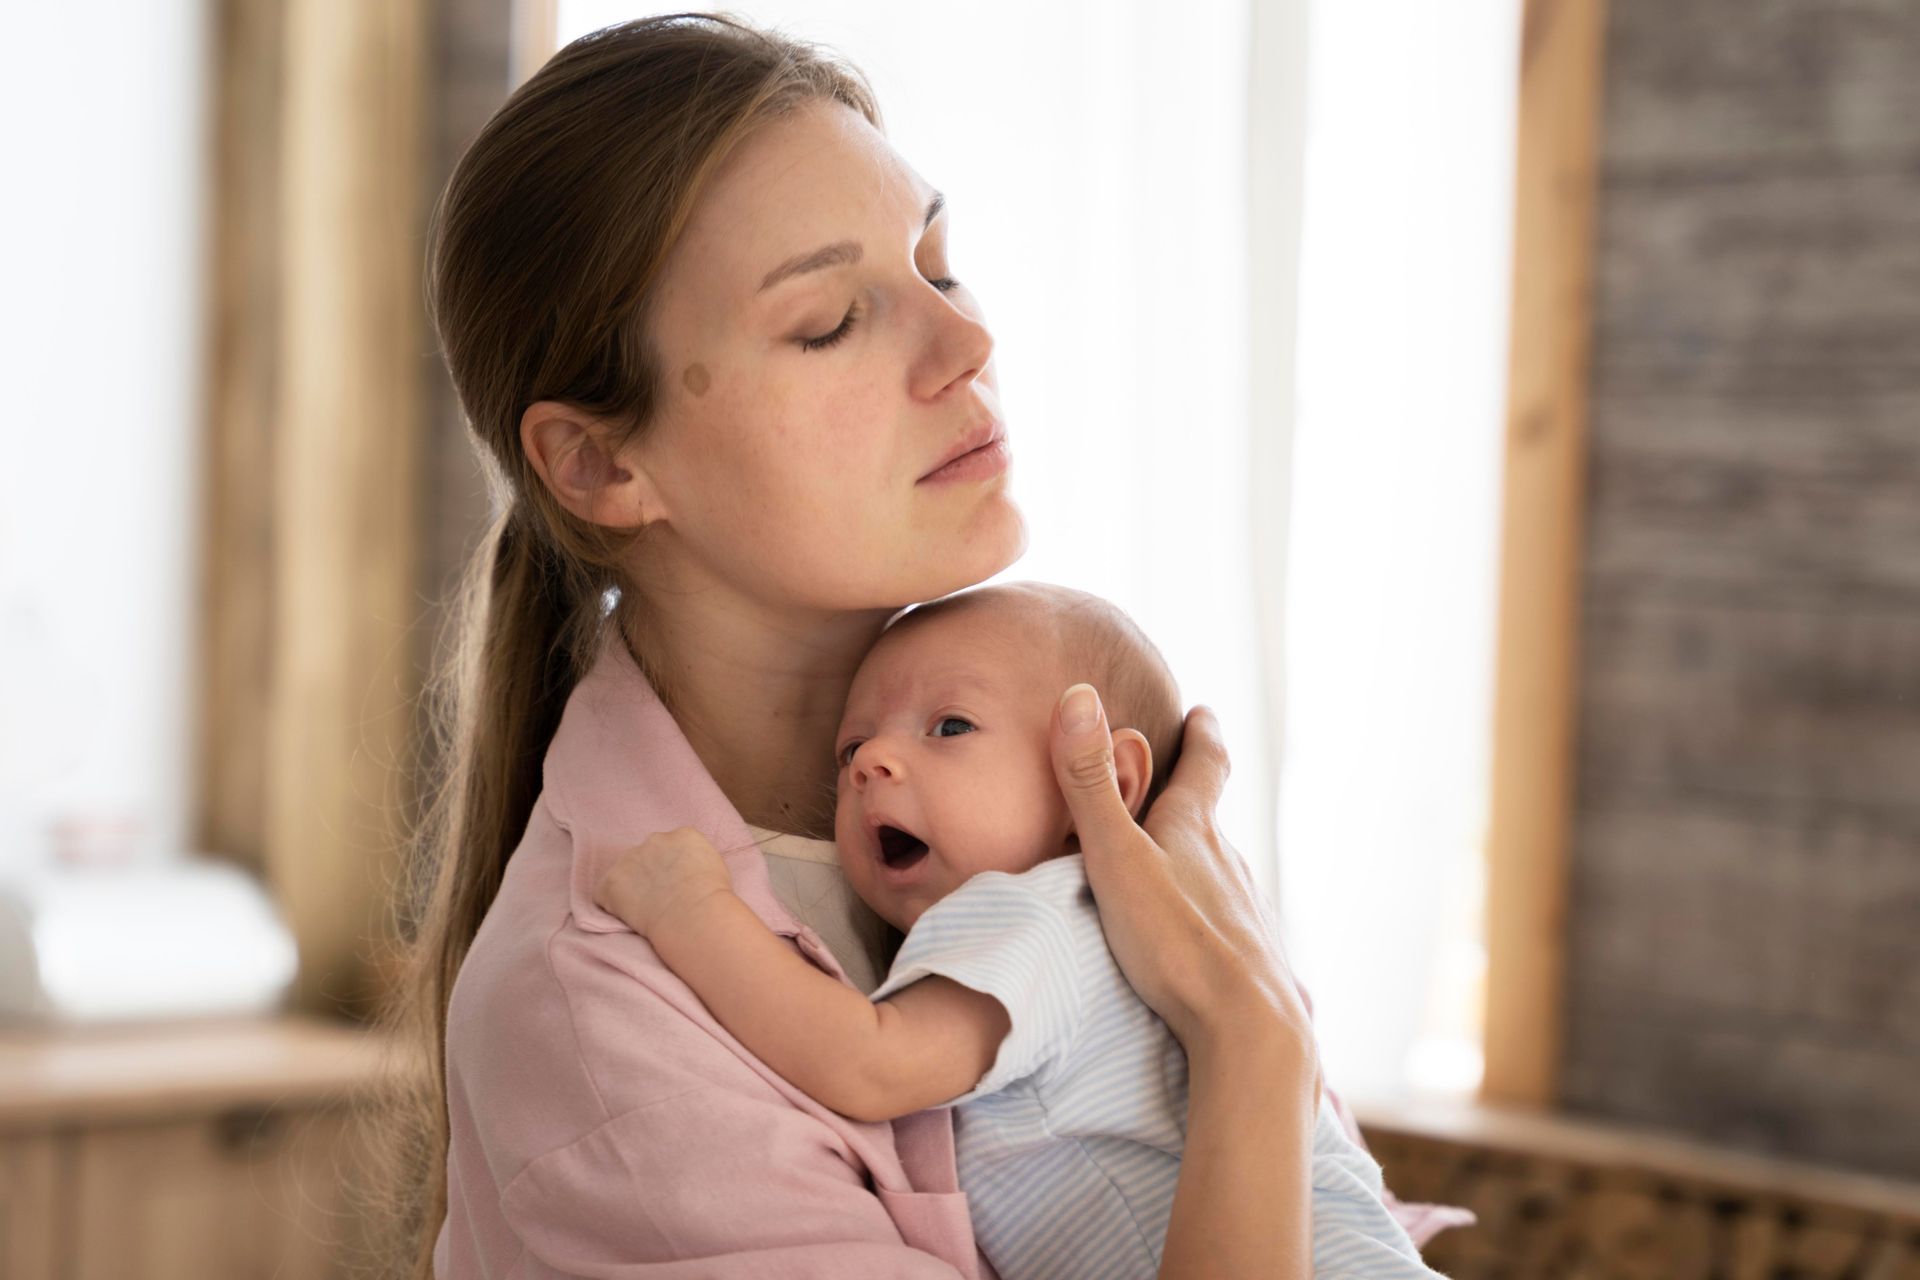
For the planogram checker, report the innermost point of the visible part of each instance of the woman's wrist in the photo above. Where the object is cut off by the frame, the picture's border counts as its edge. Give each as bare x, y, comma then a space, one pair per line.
1256, 1033
1243, 1206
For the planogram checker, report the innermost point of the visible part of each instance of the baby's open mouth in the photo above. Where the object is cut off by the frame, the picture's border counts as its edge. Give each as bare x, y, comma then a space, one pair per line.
900, 849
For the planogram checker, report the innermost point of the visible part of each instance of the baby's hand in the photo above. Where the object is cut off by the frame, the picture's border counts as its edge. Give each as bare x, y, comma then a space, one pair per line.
662, 880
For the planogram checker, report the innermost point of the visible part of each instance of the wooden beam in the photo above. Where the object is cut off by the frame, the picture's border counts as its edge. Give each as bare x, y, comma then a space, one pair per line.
348, 422
536, 27
1536, 676
236, 596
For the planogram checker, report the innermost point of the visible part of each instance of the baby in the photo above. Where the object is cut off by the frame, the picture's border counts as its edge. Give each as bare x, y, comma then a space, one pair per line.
1003, 1000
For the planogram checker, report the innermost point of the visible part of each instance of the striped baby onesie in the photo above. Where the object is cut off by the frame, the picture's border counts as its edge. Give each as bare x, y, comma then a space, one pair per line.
1069, 1147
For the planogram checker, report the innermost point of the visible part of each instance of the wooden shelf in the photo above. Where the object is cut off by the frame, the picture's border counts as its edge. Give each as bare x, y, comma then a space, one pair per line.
51, 1077
191, 1148
1602, 1145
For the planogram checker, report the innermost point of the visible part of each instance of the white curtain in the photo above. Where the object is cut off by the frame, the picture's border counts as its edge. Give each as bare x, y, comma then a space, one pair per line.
1390, 597
1094, 160
101, 267
1150, 204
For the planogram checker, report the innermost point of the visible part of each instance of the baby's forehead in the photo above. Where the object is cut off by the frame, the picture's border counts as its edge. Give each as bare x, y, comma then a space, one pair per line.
989, 650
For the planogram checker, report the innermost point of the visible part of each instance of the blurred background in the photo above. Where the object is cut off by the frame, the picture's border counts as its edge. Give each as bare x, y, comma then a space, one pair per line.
1526, 401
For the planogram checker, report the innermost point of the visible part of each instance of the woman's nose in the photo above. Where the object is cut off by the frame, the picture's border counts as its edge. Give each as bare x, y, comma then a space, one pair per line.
959, 352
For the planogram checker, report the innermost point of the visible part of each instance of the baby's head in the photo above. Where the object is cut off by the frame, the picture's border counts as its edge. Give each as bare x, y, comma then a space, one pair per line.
945, 769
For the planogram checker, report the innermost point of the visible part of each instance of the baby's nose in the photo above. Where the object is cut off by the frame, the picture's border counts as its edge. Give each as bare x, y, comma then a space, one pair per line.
870, 764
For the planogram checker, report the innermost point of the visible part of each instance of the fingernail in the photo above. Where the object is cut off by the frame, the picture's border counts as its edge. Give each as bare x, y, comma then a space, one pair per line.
1079, 709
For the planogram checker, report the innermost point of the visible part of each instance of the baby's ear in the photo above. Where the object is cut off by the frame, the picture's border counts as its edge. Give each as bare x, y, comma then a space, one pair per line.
1132, 767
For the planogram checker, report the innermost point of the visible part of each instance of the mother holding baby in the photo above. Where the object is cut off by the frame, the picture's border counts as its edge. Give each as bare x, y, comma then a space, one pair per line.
737, 414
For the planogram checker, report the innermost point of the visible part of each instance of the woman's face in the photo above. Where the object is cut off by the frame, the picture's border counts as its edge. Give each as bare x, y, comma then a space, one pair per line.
804, 412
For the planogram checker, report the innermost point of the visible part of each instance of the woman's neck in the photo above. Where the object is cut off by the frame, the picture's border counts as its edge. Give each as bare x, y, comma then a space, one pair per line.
758, 694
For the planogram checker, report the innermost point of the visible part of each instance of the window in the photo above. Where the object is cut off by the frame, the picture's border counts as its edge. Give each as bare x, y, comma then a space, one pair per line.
1096, 161
102, 324
1123, 366
1391, 585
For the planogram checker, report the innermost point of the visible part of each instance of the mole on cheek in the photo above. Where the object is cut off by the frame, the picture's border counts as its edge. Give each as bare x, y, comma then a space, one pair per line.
697, 378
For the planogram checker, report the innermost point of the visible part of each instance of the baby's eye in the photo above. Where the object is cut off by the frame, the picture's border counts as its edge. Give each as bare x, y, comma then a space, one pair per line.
846, 753
939, 730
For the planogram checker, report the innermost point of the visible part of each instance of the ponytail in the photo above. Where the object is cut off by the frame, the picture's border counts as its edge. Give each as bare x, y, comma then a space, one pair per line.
520, 640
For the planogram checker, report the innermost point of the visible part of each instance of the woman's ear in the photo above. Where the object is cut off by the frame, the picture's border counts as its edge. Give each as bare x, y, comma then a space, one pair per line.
1132, 767
573, 454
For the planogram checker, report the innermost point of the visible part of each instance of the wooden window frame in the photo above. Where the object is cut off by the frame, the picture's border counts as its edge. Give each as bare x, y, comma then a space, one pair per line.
1536, 682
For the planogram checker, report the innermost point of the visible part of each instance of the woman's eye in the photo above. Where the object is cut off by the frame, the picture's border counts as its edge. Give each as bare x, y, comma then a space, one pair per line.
945, 284
939, 729
828, 340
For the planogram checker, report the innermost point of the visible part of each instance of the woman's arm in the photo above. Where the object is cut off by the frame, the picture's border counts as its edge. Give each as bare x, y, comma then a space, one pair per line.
1244, 1203
869, 1061
1189, 930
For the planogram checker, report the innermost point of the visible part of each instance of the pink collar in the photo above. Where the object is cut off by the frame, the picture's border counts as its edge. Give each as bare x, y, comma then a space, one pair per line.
619, 770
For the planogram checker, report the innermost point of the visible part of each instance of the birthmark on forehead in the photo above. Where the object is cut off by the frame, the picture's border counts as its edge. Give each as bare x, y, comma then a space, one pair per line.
697, 379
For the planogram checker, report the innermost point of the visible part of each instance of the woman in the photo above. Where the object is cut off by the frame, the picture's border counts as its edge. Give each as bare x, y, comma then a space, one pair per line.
737, 415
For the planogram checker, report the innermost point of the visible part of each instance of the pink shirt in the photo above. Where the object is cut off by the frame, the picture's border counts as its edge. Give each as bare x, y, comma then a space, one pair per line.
602, 1122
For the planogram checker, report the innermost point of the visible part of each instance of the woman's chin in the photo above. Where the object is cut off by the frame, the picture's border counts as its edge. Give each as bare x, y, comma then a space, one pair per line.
1021, 538
985, 552
999, 536
955, 562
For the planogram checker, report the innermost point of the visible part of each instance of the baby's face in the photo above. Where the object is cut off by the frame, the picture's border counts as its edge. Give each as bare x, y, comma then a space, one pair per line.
944, 763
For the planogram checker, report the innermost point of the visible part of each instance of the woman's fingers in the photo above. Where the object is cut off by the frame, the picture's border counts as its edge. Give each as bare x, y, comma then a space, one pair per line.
1201, 767
1083, 764
1188, 929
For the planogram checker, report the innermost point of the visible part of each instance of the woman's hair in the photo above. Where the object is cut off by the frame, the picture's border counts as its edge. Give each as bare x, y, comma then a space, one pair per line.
544, 250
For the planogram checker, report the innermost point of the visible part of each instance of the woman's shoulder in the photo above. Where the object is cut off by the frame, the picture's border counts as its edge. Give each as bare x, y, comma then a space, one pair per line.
584, 1012
557, 996
567, 1045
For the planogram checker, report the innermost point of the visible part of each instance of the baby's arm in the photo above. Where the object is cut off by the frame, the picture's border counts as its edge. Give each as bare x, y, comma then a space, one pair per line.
928, 1043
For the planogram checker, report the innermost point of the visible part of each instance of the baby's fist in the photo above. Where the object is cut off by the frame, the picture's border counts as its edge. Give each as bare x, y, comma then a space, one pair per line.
662, 880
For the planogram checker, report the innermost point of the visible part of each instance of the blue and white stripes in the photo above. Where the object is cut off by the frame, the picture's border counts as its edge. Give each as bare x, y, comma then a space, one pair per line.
1069, 1147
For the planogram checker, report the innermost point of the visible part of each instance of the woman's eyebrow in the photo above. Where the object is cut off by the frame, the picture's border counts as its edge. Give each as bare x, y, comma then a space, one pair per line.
841, 253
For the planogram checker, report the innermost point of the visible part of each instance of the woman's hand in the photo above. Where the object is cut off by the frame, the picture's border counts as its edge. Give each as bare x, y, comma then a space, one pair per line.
663, 880
1183, 918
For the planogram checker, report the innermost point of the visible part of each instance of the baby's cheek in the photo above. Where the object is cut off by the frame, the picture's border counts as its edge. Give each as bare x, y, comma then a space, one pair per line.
1050, 819
1030, 820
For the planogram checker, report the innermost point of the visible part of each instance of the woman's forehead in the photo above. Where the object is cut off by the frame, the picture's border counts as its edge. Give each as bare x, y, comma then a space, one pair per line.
819, 176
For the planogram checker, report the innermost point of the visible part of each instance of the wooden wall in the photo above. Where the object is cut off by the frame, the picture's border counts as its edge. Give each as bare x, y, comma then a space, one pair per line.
1743, 948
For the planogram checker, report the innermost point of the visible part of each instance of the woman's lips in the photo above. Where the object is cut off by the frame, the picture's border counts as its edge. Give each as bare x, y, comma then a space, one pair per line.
989, 459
